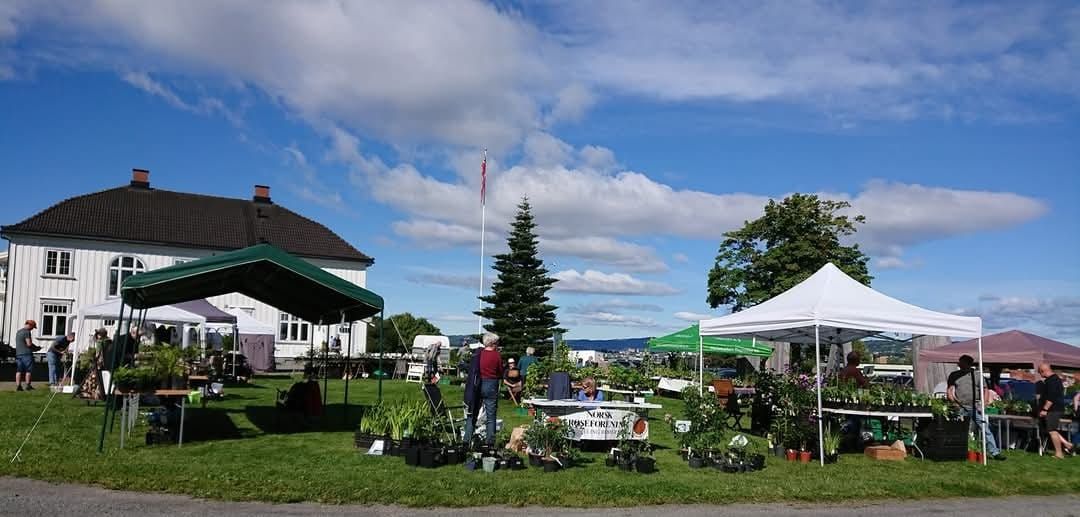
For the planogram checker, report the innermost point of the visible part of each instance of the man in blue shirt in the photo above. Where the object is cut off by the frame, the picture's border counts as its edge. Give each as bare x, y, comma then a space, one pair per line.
525, 361
55, 355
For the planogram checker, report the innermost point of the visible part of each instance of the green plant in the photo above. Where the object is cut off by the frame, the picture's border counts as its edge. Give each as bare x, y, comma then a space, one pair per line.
632, 448
549, 437
125, 378
831, 442
86, 359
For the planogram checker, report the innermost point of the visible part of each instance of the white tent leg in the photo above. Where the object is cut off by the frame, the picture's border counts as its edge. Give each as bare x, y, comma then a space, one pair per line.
817, 377
982, 404
701, 364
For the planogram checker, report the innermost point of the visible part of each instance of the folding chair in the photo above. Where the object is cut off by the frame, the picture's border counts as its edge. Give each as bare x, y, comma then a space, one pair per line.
444, 414
725, 395
400, 368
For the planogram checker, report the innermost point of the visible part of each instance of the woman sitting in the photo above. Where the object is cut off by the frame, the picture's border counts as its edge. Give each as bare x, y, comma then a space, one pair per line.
588, 392
514, 381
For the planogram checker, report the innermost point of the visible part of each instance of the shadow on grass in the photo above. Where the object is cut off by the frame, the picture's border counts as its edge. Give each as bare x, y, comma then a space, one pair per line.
211, 424
334, 418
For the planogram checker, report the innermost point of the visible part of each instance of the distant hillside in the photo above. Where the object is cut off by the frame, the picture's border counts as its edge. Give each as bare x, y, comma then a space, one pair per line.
888, 348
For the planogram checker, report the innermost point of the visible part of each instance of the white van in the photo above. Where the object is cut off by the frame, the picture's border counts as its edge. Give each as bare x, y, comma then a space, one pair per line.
887, 371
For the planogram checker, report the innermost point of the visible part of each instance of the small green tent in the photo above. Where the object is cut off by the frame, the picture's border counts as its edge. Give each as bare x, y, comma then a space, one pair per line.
687, 340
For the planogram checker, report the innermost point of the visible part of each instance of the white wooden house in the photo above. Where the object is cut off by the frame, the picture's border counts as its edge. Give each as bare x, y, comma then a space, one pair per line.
78, 251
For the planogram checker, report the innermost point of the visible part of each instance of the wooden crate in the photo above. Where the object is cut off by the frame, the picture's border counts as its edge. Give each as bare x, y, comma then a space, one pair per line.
884, 453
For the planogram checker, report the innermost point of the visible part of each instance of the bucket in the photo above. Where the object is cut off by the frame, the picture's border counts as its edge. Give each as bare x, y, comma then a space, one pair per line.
520, 411
489, 464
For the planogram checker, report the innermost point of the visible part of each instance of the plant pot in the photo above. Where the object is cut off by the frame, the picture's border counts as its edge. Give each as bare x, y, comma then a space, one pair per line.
551, 465
626, 465
363, 441
609, 461
515, 463
502, 464
536, 460
645, 465
778, 451
757, 461
805, 456
972, 456
978, 457
489, 464
831, 458
179, 383
431, 457
697, 463
471, 464
412, 456
791, 454
730, 468
454, 456
532, 411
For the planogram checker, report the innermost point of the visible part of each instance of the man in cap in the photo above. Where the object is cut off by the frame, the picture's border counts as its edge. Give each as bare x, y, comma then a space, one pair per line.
24, 355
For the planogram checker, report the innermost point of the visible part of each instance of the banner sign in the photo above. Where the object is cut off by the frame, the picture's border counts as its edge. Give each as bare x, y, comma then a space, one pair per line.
606, 424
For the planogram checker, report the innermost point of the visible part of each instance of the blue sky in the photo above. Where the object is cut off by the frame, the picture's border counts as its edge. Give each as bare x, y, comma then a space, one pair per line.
641, 132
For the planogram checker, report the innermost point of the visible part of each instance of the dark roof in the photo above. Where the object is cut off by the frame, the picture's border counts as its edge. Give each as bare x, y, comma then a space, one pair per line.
154, 216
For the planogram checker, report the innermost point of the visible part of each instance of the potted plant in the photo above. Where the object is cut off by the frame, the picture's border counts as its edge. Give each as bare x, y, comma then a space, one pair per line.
551, 437
831, 442
974, 454
125, 379
804, 455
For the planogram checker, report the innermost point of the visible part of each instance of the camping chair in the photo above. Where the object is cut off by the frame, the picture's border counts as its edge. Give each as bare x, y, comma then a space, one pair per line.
444, 414
725, 395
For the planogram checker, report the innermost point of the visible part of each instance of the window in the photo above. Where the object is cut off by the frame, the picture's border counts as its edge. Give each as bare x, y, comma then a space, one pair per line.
292, 328
58, 262
54, 316
120, 269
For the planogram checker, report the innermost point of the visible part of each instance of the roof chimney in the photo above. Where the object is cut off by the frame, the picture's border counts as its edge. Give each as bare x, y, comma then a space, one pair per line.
262, 194
140, 178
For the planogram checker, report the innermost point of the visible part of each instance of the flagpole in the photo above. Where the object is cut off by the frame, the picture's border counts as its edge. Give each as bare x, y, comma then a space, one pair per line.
483, 233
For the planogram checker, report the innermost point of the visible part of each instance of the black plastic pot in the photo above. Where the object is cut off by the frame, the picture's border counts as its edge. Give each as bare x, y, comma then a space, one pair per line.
454, 456
536, 460
431, 457
179, 383
832, 458
757, 461
363, 440
412, 456
626, 465
697, 463
515, 463
645, 465
472, 464
551, 466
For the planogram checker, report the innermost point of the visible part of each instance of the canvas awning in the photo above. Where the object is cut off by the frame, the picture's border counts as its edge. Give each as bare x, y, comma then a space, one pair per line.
170, 314
688, 340
207, 310
1014, 348
262, 272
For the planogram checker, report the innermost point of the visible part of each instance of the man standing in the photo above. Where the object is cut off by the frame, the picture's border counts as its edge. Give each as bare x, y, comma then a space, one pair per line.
55, 355
964, 390
24, 355
1051, 409
490, 374
526, 360
851, 373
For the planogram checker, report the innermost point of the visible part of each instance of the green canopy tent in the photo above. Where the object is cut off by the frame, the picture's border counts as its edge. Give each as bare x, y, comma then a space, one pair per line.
264, 273
689, 340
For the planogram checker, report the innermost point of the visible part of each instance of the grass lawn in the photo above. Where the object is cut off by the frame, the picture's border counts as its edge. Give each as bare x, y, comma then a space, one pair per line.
235, 454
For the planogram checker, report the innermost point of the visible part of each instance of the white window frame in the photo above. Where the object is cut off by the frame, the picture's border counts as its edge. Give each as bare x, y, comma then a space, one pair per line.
59, 253
138, 266
50, 313
296, 330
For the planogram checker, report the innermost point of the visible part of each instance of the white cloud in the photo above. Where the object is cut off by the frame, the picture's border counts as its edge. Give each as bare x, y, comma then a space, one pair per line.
203, 106
680, 258
455, 318
1056, 317
544, 150
605, 250
596, 282
693, 316
598, 158
890, 262
614, 320
433, 278
882, 60
571, 104
462, 73
613, 305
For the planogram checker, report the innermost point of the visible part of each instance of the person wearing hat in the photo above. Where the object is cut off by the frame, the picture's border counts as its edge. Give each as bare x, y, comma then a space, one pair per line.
514, 381
24, 355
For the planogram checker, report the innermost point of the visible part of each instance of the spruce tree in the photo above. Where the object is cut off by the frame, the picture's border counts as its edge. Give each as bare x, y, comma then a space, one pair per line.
517, 308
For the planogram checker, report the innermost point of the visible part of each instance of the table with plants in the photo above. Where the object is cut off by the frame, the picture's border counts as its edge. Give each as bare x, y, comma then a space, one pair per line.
160, 371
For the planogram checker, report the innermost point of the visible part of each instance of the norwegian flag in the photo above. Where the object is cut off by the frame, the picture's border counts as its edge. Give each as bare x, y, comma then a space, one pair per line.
483, 179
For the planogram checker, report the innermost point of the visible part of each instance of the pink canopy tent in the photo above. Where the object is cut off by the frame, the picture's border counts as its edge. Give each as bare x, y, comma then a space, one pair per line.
1014, 348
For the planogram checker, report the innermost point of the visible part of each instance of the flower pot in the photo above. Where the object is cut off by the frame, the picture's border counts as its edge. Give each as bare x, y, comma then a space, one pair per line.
978, 457
471, 464
515, 463
778, 451
831, 458
791, 454
179, 383
609, 461
645, 465
412, 456
536, 460
532, 411
489, 464
757, 461
454, 456
363, 441
805, 456
697, 463
431, 457
972, 456
502, 464
626, 465
551, 465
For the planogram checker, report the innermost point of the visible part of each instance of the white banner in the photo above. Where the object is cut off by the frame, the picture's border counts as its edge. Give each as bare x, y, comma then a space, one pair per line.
606, 424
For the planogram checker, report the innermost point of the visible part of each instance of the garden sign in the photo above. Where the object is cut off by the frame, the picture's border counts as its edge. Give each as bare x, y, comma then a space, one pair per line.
606, 424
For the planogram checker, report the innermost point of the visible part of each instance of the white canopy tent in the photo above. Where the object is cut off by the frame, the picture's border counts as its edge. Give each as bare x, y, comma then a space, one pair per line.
832, 308
110, 310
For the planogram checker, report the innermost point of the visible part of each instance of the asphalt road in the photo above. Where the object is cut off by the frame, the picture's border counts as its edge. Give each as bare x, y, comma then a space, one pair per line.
25, 497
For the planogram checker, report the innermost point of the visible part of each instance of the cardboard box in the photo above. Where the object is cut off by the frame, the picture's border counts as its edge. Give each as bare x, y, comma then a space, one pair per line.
884, 453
